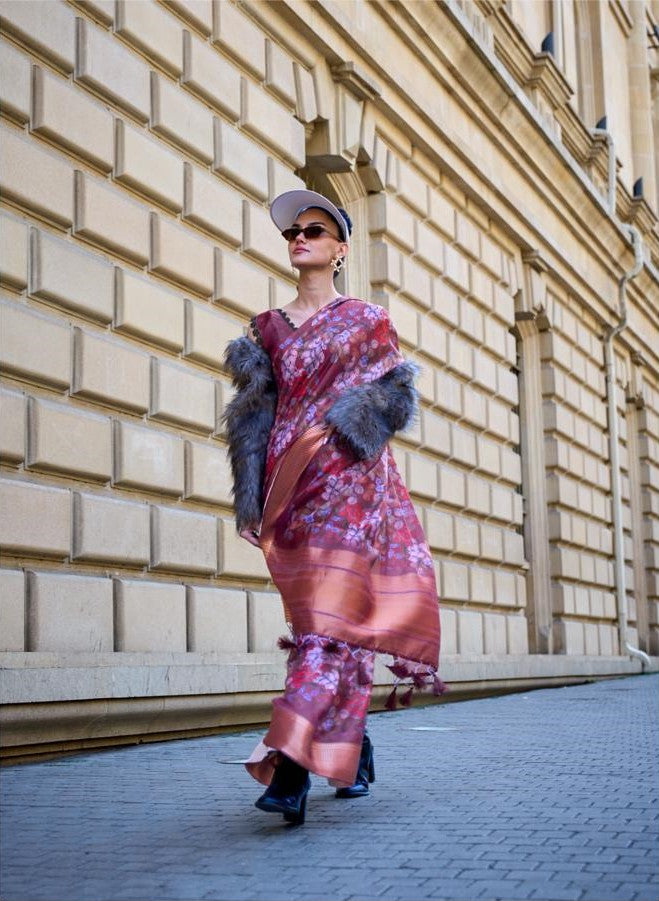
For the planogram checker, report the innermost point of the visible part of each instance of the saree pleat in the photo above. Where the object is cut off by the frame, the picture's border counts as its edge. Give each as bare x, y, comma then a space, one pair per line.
342, 542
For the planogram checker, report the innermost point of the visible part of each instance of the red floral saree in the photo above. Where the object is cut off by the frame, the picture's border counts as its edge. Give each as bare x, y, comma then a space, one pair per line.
340, 535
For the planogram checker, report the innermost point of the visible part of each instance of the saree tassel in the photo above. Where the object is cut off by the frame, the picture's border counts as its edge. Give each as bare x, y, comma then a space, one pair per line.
392, 701
400, 670
284, 643
439, 687
406, 699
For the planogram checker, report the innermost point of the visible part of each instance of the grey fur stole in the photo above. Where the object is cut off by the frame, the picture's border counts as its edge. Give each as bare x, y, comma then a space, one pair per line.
365, 416
248, 418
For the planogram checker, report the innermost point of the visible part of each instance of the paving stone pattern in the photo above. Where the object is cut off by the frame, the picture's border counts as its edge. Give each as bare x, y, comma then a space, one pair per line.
551, 794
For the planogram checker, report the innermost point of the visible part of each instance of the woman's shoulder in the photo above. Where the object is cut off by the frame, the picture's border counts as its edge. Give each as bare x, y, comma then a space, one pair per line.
371, 310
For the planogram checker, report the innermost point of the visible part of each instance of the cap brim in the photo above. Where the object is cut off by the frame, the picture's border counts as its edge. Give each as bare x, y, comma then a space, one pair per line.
285, 208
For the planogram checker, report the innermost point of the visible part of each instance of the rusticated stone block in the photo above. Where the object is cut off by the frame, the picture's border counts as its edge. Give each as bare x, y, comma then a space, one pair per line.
110, 531
470, 632
213, 205
505, 588
416, 282
108, 67
491, 542
281, 179
442, 213
208, 74
265, 619
266, 119
240, 160
436, 433
449, 623
178, 254
237, 556
217, 620
466, 540
70, 277
481, 585
429, 247
451, 486
467, 236
12, 610
517, 639
146, 458
390, 217
439, 530
207, 333
182, 396
104, 217
183, 541
422, 476
23, 335
455, 580
34, 520
12, 425
62, 438
47, 26
279, 72
307, 110
239, 285
148, 166
568, 637
111, 372
149, 311
385, 264
13, 252
445, 302
15, 75
63, 113
181, 119
260, 239
494, 633
69, 613
456, 268
155, 33
149, 616
207, 473
34, 178
240, 37
491, 257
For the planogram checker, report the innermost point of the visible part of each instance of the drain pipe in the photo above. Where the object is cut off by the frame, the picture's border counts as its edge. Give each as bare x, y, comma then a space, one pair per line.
614, 450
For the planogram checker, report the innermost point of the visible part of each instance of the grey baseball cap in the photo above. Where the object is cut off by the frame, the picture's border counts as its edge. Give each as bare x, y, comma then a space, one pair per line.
287, 207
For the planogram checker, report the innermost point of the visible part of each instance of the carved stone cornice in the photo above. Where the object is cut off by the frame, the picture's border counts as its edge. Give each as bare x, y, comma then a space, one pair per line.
641, 215
511, 46
547, 77
356, 80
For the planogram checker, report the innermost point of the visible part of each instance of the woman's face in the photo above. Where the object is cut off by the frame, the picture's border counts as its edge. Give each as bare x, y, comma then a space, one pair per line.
316, 253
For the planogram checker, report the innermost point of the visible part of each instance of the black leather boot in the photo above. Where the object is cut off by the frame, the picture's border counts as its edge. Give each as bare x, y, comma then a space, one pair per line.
287, 793
365, 773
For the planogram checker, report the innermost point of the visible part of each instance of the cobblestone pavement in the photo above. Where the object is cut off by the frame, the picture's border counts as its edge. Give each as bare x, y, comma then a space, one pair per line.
552, 794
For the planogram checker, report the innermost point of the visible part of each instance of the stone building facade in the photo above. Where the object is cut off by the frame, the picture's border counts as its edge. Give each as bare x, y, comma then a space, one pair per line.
499, 160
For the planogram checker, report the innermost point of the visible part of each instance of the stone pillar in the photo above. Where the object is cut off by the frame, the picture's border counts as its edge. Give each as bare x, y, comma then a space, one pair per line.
640, 105
530, 321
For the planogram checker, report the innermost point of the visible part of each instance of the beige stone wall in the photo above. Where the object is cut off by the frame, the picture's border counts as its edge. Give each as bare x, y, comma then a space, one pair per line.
141, 144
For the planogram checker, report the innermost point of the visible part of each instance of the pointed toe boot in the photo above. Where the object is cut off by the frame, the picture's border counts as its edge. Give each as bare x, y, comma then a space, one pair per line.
287, 793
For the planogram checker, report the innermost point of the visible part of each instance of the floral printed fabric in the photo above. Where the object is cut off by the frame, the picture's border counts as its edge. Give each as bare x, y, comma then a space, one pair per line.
329, 683
340, 501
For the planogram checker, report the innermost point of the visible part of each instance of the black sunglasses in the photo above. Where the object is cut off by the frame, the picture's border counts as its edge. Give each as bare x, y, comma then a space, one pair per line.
309, 231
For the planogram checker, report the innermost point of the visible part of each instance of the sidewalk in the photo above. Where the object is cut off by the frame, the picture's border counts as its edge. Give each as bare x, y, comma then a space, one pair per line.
552, 794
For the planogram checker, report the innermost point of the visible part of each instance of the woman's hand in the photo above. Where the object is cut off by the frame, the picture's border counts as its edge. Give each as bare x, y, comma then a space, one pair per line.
250, 535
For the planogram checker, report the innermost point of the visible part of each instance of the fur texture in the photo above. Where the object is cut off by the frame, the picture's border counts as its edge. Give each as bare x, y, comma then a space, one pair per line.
248, 419
367, 416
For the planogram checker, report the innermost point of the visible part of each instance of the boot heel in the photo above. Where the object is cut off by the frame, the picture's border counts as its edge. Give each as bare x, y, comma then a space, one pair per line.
297, 819
371, 768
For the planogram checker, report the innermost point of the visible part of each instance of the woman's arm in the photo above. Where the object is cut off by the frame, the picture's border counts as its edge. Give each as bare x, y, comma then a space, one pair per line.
248, 418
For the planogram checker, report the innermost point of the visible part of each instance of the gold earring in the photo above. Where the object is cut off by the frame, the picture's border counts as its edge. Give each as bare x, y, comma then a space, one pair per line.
337, 264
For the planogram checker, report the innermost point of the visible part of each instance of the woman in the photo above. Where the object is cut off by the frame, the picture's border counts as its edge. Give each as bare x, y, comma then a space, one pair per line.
322, 387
